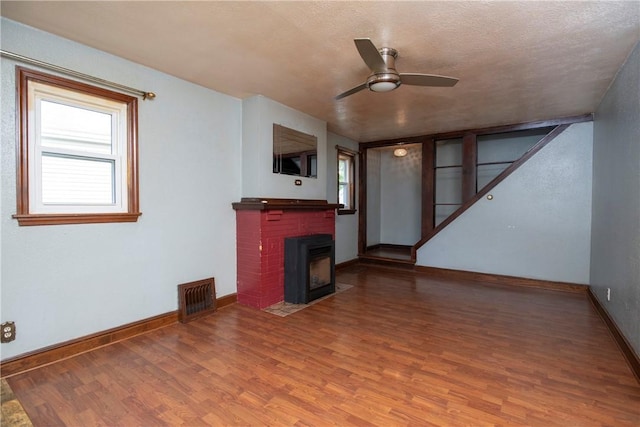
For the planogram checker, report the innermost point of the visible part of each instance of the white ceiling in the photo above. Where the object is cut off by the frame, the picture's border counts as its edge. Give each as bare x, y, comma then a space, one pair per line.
516, 61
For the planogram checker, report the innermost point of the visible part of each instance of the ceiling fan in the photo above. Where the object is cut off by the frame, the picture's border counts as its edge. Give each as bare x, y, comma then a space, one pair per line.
384, 77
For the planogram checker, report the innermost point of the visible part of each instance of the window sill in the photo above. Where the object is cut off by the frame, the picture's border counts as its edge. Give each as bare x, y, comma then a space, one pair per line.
59, 219
346, 211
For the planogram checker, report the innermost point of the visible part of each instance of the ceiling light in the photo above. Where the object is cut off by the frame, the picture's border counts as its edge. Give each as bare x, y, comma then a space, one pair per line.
383, 86
383, 82
400, 152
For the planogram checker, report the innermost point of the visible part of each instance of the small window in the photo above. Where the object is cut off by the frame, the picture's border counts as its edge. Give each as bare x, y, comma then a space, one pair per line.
346, 181
78, 152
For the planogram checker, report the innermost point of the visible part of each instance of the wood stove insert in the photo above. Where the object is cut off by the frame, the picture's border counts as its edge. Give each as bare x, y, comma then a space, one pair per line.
309, 268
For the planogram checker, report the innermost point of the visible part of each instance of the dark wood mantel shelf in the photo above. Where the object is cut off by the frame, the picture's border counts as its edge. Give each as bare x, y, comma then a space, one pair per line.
265, 204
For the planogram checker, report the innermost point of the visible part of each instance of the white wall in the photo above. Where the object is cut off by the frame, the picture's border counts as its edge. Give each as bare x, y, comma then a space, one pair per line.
538, 225
346, 225
258, 180
615, 243
401, 196
394, 191
373, 197
68, 281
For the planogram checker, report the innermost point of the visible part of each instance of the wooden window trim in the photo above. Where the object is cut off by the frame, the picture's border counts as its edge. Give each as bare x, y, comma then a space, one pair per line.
352, 184
23, 215
346, 211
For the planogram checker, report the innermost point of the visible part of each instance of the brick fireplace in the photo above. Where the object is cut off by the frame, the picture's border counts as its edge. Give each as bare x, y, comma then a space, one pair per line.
261, 228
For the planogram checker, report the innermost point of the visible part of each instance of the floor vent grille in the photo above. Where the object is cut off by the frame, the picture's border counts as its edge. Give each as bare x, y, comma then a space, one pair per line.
196, 299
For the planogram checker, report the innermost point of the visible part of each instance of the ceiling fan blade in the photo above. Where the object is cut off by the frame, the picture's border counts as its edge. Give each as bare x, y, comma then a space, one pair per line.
351, 91
427, 80
370, 55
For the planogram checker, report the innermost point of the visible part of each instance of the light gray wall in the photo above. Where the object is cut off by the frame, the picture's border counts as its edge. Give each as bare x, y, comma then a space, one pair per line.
373, 197
346, 225
401, 196
64, 282
394, 191
538, 225
258, 180
615, 241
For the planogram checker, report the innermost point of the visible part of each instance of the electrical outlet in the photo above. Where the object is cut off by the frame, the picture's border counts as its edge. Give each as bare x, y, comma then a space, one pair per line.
8, 332
608, 294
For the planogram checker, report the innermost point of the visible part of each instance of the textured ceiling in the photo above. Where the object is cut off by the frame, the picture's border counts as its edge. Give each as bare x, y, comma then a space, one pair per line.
516, 61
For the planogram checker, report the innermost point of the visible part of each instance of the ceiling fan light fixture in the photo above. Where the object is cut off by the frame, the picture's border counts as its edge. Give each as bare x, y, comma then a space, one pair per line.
385, 78
383, 86
385, 82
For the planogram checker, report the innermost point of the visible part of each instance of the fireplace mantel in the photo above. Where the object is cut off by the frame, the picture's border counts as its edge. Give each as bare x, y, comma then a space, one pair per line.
265, 204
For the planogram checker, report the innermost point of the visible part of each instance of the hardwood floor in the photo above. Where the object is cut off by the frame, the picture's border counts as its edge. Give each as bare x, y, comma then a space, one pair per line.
396, 349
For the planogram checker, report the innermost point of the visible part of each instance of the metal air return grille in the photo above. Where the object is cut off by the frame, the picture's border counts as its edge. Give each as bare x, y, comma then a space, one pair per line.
196, 299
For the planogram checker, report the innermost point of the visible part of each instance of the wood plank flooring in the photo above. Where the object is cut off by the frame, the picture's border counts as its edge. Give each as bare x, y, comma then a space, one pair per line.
397, 349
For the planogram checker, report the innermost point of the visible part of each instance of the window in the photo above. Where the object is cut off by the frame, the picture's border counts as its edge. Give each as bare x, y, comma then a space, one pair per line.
346, 180
77, 152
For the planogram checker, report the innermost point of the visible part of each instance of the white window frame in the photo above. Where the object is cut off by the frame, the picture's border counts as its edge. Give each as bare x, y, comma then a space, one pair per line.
38, 92
34, 87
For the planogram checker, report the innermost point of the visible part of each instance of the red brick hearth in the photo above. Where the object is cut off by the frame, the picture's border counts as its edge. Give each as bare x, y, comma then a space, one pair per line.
261, 227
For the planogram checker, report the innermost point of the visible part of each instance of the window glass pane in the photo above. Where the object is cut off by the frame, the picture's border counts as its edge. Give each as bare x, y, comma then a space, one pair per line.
449, 185
72, 180
486, 173
509, 146
74, 128
346, 169
449, 152
343, 193
443, 211
342, 170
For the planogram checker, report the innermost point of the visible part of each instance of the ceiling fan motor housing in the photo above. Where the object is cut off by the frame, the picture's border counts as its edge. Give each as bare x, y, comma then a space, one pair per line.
388, 79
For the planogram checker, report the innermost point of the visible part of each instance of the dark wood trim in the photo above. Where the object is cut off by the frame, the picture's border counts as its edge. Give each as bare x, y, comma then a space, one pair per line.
630, 355
390, 246
491, 185
397, 141
23, 214
59, 219
22, 144
266, 203
56, 352
346, 264
428, 187
498, 279
133, 192
479, 131
469, 157
226, 300
347, 150
521, 126
362, 202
